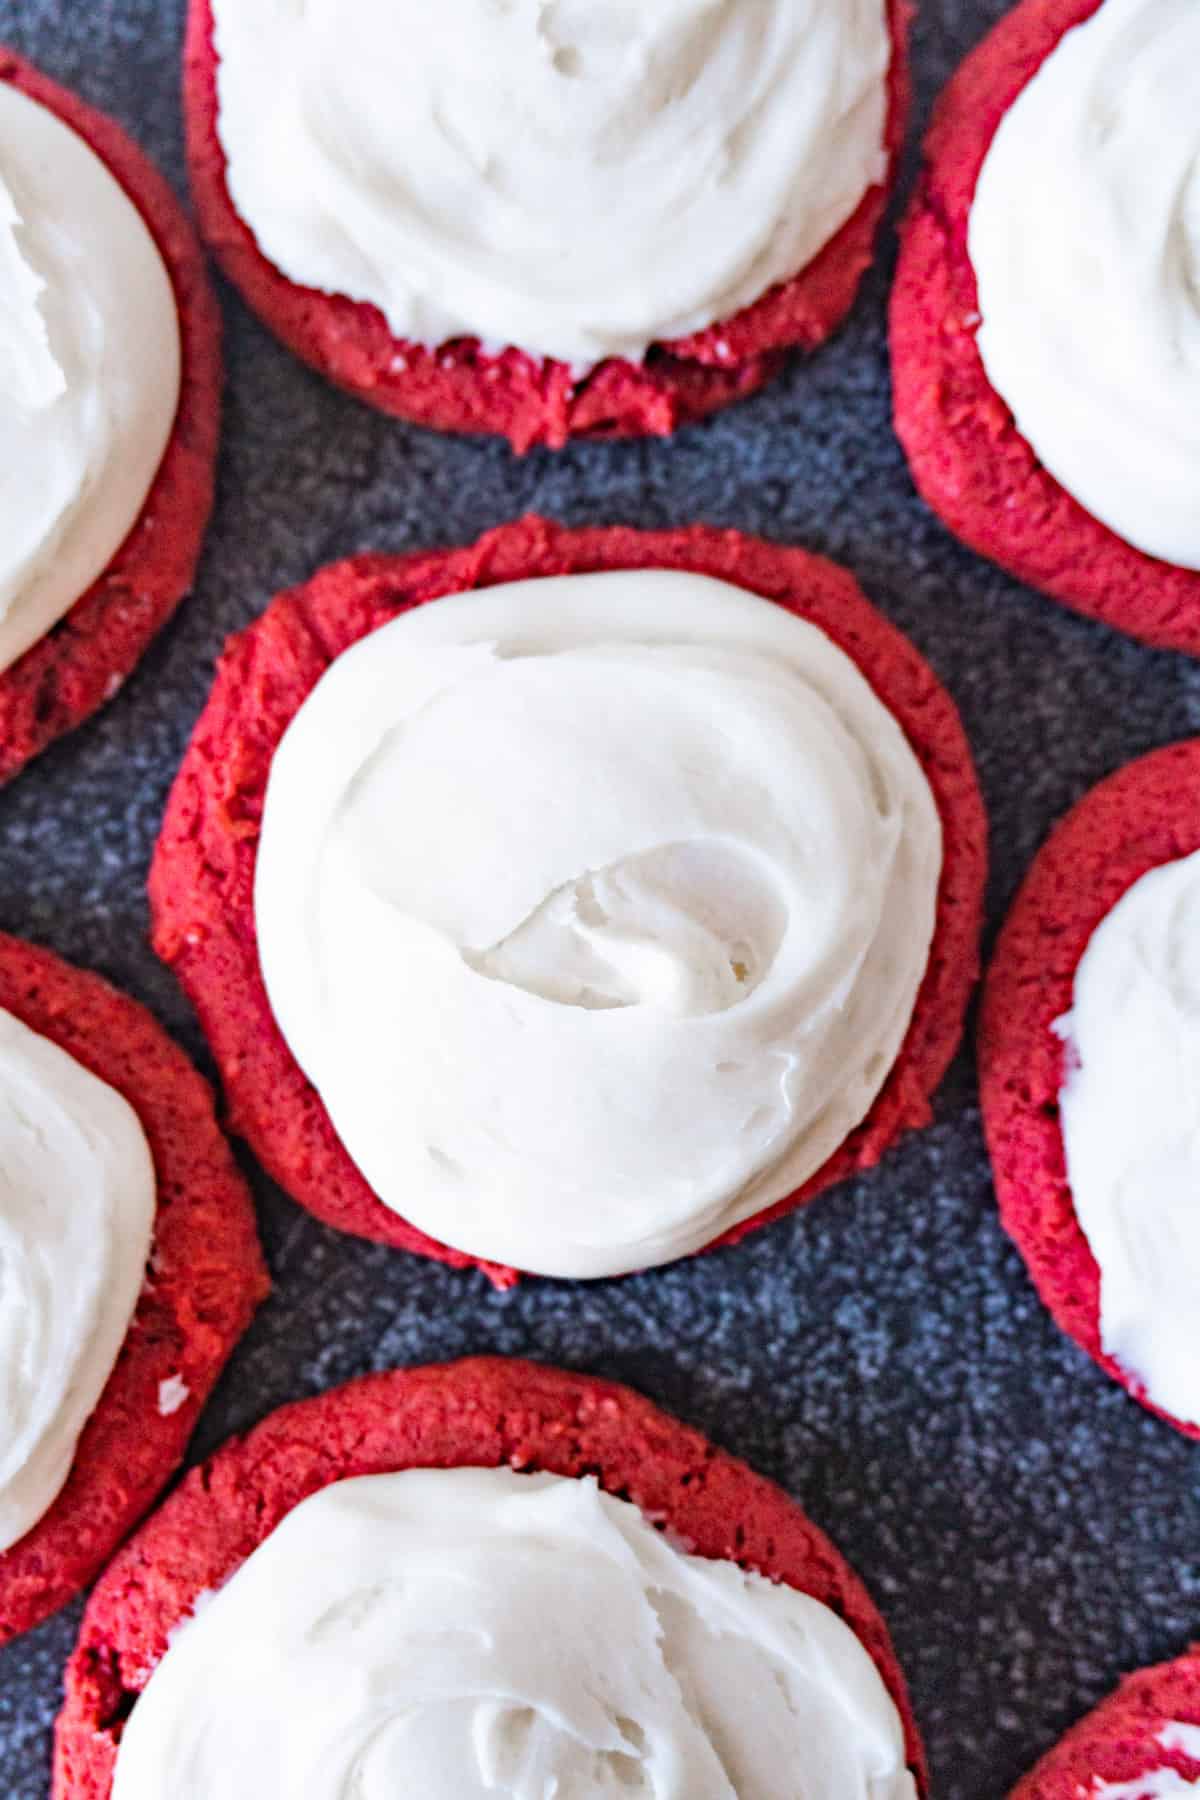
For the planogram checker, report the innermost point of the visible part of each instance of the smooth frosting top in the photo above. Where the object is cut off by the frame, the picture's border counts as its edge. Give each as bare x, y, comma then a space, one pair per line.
1159, 1784
465, 1633
580, 178
1085, 239
77, 1196
89, 368
1130, 1113
596, 909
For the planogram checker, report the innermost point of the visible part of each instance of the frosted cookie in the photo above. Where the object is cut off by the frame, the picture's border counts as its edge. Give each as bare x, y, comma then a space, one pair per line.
110, 382
1045, 319
131, 1268
546, 221
482, 1578
1089, 1062
619, 901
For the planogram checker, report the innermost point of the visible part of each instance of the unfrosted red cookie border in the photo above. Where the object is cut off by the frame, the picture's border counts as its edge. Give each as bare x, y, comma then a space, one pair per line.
205, 1279
1117, 1741
480, 1413
201, 881
456, 387
967, 457
1146, 814
82, 660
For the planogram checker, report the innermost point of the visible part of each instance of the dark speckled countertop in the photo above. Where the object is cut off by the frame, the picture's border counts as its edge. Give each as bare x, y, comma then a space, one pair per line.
1028, 1531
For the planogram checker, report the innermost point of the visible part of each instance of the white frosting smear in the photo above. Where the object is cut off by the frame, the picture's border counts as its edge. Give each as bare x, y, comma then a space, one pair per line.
580, 178
596, 909
1085, 238
89, 369
1158, 1784
465, 1633
77, 1195
1130, 1111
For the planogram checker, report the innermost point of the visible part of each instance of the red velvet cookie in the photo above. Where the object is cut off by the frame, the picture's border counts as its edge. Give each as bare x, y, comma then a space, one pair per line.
205, 1279
457, 387
483, 1413
1123, 1740
83, 659
202, 877
1146, 814
968, 459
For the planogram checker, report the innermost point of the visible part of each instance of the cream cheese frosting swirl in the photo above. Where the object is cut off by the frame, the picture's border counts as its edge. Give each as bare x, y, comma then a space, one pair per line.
460, 1633
1130, 1113
1085, 239
580, 178
89, 368
596, 909
77, 1195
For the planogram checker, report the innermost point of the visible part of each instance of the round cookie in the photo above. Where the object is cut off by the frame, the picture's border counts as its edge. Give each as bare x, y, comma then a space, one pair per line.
1131, 823
486, 1412
205, 1280
968, 460
82, 661
1128, 1736
457, 387
202, 877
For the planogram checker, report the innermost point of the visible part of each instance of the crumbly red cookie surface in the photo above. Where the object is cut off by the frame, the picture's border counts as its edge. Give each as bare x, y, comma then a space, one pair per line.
968, 459
205, 1279
202, 877
486, 1412
456, 387
1146, 814
1120, 1742
83, 659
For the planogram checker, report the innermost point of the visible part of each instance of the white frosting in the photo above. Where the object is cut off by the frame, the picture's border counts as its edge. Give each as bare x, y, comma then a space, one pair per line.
1130, 1112
578, 177
596, 909
1085, 238
1158, 1784
77, 1195
465, 1633
89, 369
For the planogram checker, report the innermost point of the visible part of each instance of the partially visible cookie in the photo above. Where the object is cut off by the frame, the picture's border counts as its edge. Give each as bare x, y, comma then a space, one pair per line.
463, 385
1142, 1743
968, 456
82, 659
203, 1281
485, 1414
1139, 820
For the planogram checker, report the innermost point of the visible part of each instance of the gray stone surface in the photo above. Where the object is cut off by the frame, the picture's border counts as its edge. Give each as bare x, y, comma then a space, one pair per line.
1029, 1532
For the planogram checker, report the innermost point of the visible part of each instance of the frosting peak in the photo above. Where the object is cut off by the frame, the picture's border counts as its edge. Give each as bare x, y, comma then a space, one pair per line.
580, 178
467, 1633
